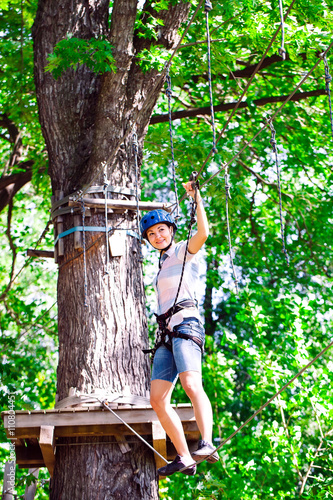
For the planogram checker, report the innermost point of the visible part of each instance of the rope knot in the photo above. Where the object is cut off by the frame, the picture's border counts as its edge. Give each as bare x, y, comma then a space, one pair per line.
282, 53
208, 6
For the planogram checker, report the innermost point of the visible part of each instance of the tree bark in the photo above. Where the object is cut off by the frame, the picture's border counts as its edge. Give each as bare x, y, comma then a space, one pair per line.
84, 116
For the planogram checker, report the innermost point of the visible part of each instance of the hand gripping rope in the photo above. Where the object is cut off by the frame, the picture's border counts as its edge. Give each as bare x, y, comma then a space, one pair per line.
273, 143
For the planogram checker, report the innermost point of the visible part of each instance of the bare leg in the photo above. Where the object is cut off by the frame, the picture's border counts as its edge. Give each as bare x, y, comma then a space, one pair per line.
160, 396
192, 384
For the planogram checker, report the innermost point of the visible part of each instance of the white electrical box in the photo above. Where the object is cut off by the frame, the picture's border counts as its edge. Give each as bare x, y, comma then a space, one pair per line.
117, 242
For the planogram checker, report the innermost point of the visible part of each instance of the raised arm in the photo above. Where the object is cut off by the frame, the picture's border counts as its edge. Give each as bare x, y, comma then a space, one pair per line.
199, 238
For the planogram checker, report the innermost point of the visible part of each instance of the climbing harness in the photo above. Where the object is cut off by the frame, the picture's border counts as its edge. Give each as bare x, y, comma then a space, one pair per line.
168, 93
282, 51
328, 79
227, 196
163, 331
135, 151
208, 8
273, 143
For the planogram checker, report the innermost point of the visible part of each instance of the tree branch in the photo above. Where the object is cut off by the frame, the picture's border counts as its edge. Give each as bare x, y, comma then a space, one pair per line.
299, 96
11, 184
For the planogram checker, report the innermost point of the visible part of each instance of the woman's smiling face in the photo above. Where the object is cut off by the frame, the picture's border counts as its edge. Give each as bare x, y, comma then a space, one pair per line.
160, 236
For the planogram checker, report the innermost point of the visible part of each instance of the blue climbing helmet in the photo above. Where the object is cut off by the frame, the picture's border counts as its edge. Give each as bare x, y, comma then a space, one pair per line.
155, 217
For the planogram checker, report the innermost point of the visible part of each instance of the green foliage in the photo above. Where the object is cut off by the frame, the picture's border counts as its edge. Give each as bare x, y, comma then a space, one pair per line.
282, 317
72, 52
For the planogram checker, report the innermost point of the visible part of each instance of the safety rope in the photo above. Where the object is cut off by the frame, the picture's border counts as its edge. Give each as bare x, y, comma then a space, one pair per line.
208, 8
83, 210
168, 93
247, 87
328, 79
105, 186
105, 404
227, 196
264, 126
135, 150
273, 143
282, 51
111, 158
263, 406
194, 178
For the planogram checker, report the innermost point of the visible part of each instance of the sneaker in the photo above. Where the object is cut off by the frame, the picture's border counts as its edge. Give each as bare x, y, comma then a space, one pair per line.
204, 450
176, 466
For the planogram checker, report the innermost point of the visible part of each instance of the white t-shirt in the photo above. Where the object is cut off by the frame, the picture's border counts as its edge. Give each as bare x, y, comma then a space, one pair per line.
167, 280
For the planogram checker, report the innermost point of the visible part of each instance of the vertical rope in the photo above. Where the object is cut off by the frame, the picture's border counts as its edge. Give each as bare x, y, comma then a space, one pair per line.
273, 143
328, 79
227, 196
282, 51
83, 210
168, 93
135, 150
105, 188
208, 8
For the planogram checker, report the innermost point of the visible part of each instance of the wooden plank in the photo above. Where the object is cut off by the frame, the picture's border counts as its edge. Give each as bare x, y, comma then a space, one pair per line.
46, 254
122, 204
95, 417
29, 456
46, 443
159, 443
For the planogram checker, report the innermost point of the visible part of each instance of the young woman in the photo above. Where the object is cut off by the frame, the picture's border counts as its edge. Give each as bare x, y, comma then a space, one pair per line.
182, 335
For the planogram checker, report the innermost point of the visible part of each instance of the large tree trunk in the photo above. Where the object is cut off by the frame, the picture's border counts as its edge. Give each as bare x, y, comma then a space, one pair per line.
83, 117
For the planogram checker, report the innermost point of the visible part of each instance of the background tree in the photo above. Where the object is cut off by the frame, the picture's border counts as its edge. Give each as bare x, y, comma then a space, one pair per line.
282, 316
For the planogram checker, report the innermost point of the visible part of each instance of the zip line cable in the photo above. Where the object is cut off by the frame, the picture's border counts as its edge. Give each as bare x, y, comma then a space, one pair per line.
273, 143
263, 406
105, 404
208, 8
227, 196
282, 51
328, 79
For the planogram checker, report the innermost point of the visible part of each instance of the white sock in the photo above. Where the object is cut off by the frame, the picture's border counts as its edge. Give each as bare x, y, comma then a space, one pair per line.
187, 461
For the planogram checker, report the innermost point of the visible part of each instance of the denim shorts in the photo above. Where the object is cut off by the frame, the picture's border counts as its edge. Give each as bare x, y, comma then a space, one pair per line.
185, 356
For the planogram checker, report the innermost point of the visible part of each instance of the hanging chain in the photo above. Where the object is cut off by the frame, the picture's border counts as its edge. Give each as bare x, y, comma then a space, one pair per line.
208, 8
273, 143
135, 150
328, 79
227, 197
282, 51
105, 188
83, 209
168, 93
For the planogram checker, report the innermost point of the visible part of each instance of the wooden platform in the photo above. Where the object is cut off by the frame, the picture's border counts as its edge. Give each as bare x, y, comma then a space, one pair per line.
37, 433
